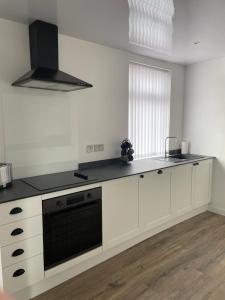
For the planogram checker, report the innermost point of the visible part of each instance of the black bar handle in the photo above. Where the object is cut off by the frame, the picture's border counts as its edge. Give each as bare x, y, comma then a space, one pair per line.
142, 176
196, 164
160, 172
17, 252
15, 211
85, 204
17, 231
18, 272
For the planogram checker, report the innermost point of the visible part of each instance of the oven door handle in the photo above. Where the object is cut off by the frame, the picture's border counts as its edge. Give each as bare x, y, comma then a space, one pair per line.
72, 201
59, 207
84, 203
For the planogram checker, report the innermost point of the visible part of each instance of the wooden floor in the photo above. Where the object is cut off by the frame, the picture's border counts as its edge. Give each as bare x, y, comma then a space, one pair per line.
186, 261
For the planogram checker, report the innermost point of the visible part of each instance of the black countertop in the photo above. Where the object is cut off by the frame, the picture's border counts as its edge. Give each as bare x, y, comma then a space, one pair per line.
113, 170
18, 190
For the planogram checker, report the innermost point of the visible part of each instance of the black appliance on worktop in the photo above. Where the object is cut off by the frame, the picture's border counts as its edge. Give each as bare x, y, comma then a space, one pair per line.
57, 180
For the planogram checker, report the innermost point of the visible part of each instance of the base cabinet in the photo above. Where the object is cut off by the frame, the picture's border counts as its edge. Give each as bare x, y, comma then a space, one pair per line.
21, 244
120, 210
181, 188
154, 198
23, 274
131, 208
201, 182
17, 252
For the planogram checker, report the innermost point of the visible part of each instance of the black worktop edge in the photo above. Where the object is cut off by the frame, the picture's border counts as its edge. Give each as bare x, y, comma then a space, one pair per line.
35, 192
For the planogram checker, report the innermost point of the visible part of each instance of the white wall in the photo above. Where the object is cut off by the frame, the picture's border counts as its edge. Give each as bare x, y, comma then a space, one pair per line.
204, 119
43, 132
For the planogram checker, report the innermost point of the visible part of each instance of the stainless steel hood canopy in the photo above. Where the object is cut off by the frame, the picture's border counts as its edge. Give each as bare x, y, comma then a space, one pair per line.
45, 73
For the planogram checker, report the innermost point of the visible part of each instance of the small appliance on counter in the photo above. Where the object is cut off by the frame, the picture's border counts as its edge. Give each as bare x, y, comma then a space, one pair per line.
184, 147
127, 151
5, 175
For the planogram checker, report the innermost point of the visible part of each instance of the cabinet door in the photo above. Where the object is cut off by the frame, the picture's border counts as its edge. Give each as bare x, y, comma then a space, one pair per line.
154, 198
21, 209
181, 189
20, 230
23, 274
22, 250
201, 182
120, 210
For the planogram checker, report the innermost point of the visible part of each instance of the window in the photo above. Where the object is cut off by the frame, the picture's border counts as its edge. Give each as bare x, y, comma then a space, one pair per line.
151, 23
149, 109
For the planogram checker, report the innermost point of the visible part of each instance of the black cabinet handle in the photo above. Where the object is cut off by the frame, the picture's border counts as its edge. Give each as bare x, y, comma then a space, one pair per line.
17, 252
15, 211
160, 172
195, 164
142, 176
17, 231
18, 272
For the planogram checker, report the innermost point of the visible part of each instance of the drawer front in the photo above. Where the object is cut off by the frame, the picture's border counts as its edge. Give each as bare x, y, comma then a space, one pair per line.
20, 251
23, 274
21, 230
20, 209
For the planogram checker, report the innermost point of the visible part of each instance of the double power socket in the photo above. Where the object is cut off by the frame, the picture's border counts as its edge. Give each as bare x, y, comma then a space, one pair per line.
95, 148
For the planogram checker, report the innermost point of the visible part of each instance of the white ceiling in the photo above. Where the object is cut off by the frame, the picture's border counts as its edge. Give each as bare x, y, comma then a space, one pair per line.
106, 22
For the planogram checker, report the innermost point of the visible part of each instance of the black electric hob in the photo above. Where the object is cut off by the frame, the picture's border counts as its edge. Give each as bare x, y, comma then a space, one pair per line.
57, 180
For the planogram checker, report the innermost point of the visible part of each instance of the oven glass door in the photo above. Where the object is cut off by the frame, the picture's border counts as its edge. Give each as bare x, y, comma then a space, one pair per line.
71, 232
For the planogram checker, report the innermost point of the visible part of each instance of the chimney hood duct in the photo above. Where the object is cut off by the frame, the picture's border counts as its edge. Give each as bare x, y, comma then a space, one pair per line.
45, 73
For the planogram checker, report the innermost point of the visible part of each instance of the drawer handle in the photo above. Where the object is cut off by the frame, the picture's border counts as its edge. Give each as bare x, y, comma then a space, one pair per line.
15, 211
196, 164
17, 231
17, 252
18, 272
160, 172
142, 176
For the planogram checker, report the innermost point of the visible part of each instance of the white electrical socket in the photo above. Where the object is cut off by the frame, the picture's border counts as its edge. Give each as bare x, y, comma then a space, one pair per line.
90, 148
98, 147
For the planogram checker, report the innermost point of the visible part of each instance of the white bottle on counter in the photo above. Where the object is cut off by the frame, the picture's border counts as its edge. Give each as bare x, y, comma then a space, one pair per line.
184, 147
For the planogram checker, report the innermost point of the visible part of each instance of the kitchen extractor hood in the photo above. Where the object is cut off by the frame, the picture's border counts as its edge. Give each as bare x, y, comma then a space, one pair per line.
45, 73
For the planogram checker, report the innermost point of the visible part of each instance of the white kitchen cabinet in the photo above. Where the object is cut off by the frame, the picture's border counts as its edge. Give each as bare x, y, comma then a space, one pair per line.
22, 274
120, 210
21, 244
21, 209
20, 251
201, 182
20, 230
154, 198
181, 189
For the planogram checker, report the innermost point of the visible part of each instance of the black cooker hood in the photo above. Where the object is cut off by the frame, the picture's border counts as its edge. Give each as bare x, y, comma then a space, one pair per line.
45, 73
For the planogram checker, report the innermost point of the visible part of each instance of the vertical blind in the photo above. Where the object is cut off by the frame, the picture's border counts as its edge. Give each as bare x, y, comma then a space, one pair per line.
151, 23
149, 109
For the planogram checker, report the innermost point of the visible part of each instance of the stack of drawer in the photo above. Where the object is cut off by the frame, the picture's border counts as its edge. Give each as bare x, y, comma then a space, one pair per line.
21, 244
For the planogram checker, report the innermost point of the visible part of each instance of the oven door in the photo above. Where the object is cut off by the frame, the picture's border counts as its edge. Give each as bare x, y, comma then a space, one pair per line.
73, 228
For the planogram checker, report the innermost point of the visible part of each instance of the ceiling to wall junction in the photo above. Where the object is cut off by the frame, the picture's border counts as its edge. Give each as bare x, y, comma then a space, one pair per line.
199, 25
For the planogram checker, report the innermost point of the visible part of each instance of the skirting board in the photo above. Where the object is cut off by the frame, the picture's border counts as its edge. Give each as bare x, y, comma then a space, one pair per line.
216, 210
51, 282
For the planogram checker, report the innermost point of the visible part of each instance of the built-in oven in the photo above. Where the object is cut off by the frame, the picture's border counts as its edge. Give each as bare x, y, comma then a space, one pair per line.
72, 225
